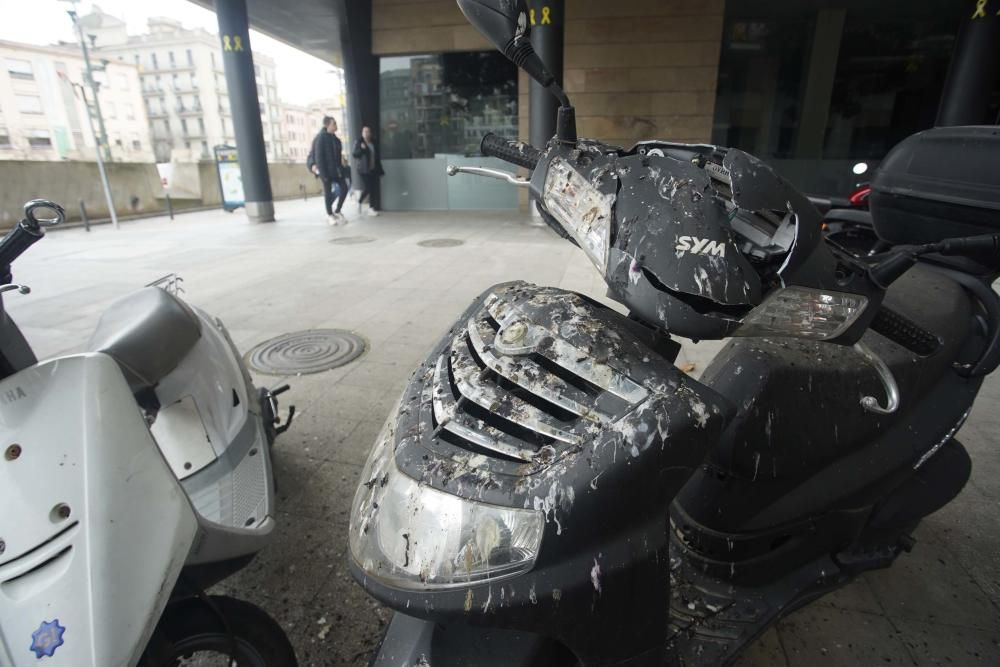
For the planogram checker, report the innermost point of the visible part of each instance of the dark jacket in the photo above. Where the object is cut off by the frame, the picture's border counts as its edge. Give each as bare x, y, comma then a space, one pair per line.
328, 152
363, 152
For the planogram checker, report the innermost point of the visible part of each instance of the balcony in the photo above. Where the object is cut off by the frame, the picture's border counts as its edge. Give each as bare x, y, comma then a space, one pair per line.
181, 87
157, 113
153, 90
189, 111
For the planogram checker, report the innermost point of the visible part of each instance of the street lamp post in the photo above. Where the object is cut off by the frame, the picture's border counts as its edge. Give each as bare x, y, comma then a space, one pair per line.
100, 159
94, 85
103, 147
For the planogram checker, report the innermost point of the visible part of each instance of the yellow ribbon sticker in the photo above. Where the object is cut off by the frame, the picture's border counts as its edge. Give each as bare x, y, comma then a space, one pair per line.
980, 9
237, 43
226, 46
546, 15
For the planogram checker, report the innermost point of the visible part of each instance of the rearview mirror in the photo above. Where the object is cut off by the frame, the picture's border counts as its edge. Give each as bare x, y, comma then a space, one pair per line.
505, 23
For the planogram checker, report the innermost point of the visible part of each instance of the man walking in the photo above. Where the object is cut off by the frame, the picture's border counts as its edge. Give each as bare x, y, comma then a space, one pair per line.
370, 169
328, 156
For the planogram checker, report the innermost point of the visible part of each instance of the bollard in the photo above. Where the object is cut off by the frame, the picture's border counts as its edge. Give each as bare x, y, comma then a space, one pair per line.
83, 216
170, 207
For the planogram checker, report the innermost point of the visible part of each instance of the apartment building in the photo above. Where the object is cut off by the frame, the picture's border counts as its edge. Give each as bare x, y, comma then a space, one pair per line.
184, 86
43, 115
297, 131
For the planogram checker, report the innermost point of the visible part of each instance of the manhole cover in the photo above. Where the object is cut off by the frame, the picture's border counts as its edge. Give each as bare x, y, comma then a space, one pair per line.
351, 240
440, 243
306, 352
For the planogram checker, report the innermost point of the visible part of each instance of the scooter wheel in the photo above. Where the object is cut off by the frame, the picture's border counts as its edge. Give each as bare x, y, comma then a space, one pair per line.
192, 632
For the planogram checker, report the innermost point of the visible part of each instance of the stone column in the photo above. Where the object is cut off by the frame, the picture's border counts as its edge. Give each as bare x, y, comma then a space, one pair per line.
237, 60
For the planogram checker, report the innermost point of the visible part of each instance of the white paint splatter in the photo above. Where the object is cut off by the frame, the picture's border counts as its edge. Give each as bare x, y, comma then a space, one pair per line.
595, 576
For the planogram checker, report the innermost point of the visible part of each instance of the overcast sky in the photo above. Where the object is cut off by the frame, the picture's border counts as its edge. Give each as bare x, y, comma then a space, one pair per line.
301, 77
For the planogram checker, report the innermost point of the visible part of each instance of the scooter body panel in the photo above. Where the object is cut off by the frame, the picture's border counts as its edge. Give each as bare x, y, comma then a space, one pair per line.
95, 525
604, 491
210, 428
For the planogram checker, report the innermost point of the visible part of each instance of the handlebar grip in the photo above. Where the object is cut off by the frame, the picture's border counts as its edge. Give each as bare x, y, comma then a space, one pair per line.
904, 331
17, 241
515, 152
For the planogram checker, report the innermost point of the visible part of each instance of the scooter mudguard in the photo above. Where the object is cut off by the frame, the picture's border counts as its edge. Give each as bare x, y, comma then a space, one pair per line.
94, 528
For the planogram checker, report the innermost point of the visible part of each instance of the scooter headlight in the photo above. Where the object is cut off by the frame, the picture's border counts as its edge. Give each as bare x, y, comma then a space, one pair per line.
804, 313
582, 209
409, 535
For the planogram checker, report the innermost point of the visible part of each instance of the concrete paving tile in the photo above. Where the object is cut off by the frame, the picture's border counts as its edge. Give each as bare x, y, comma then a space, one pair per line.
293, 473
358, 444
303, 553
356, 623
969, 529
930, 585
389, 377
856, 596
937, 644
767, 651
329, 493
827, 637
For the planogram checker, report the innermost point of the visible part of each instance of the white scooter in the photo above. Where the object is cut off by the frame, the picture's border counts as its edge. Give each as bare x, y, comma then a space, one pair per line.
132, 477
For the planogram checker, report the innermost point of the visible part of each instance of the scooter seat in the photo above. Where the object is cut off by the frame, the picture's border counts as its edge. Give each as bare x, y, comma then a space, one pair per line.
147, 333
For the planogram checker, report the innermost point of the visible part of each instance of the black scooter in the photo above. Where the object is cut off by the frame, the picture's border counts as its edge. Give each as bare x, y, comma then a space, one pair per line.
551, 490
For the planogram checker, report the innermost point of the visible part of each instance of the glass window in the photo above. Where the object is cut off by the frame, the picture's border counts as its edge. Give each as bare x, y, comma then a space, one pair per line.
29, 103
4, 138
184, 126
445, 103
170, 57
815, 87
152, 57
190, 58
20, 69
201, 126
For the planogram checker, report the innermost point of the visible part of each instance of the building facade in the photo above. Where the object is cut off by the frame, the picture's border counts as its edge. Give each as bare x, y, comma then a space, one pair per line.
184, 86
43, 115
297, 131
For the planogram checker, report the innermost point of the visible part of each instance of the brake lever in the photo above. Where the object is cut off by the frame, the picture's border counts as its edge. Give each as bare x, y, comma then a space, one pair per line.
491, 173
870, 403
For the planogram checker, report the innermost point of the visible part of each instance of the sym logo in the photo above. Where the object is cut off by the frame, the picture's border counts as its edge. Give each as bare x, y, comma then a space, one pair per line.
700, 246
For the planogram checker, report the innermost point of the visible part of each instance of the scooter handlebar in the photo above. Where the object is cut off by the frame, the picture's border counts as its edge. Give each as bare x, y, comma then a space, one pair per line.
27, 232
515, 152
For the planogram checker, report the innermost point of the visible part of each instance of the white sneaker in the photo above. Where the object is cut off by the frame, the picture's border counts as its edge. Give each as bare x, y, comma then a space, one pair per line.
372, 212
331, 220
341, 219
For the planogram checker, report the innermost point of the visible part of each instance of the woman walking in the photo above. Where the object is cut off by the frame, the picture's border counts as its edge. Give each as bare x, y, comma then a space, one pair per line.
369, 168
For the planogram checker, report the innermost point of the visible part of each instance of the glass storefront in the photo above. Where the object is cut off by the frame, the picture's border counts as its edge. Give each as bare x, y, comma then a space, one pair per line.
813, 87
444, 103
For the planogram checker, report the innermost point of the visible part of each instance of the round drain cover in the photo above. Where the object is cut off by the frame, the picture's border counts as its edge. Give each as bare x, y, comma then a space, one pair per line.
351, 240
306, 352
440, 243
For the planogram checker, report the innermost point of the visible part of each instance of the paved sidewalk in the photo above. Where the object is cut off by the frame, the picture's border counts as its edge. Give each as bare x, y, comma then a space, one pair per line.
937, 605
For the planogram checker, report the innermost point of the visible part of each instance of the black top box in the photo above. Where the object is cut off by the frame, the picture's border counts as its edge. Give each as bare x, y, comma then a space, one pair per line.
939, 184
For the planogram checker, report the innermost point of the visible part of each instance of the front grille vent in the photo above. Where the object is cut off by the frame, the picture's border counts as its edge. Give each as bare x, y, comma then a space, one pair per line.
511, 406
